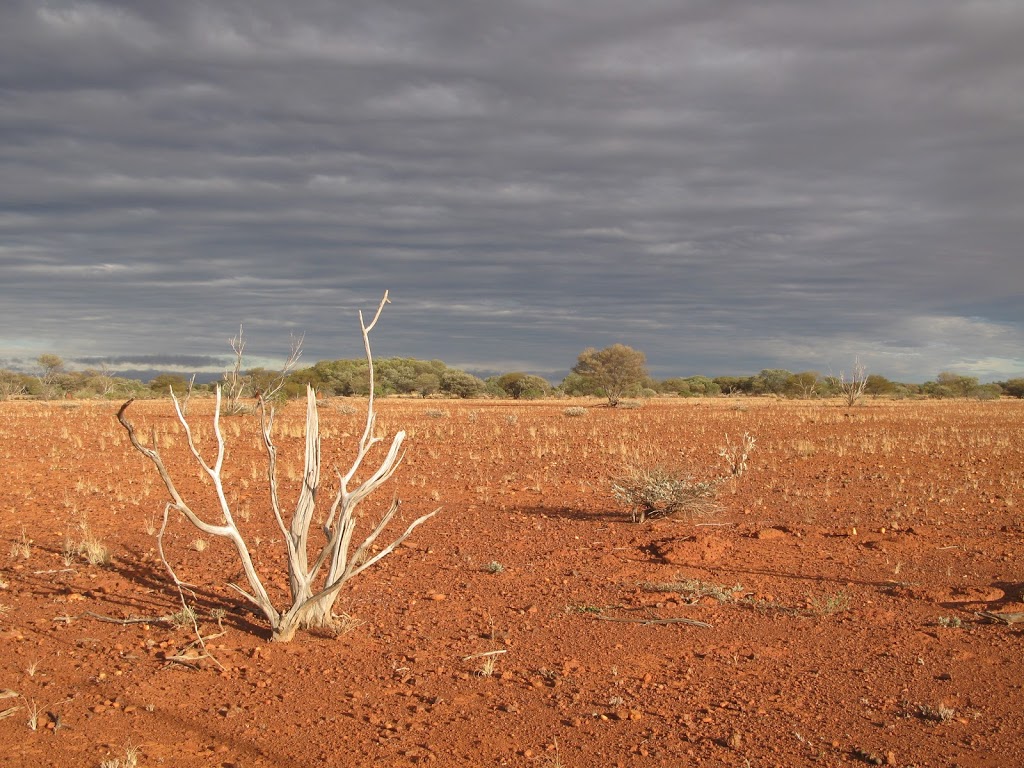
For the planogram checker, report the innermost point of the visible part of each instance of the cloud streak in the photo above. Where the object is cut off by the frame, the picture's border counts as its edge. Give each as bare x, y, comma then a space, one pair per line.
725, 186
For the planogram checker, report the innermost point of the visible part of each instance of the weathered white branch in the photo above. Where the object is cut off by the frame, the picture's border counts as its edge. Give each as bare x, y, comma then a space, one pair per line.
312, 593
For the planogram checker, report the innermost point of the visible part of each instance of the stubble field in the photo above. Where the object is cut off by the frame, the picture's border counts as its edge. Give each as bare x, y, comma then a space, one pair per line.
842, 583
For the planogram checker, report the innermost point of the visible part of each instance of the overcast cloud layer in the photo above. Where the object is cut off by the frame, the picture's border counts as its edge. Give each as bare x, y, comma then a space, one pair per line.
727, 186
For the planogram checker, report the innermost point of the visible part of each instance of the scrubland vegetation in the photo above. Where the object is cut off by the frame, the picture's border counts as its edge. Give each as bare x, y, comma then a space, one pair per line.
624, 376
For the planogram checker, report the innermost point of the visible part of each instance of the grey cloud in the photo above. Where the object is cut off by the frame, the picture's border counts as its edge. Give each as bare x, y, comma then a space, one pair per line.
156, 361
727, 186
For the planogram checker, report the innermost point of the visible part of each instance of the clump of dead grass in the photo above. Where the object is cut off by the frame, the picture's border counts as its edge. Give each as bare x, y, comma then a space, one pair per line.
661, 492
130, 759
21, 548
90, 546
940, 713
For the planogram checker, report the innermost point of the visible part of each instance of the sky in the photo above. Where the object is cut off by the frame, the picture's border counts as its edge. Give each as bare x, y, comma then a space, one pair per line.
727, 186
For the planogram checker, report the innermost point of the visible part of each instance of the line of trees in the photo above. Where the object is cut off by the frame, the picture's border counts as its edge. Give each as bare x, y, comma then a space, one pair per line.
614, 373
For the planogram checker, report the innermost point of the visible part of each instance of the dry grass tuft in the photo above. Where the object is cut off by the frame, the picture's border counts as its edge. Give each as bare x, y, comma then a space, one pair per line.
21, 547
91, 547
660, 492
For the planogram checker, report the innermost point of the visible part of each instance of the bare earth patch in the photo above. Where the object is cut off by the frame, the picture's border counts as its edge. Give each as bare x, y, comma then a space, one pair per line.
852, 599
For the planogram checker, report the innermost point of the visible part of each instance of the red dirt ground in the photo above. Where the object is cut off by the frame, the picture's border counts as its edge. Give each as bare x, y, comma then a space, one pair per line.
842, 579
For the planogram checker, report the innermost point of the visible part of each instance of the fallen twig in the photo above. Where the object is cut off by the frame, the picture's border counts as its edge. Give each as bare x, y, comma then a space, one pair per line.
648, 621
189, 658
1002, 618
482, 654
130, 620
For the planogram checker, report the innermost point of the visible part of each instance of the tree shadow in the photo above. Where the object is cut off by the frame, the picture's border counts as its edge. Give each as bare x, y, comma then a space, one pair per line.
568, 513
1013, 593
656, 551
160, 597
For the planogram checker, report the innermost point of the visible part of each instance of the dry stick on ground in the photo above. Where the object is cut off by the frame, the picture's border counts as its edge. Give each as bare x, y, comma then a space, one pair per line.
186, 611
127, 621
314, 588
1002, 618
677, 620
482, 654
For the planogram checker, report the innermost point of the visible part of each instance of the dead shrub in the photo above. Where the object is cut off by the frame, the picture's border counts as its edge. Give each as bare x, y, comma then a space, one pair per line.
661, 492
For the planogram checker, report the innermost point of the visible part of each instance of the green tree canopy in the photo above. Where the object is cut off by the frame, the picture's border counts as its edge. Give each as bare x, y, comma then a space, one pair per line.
615, 370
1014, 387
160, 384
805, 384
732, 385
960, 386
772, 381
878, 385
522, 386
456, 383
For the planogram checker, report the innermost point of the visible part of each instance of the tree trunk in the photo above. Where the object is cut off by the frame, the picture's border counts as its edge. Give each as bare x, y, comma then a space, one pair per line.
317, 614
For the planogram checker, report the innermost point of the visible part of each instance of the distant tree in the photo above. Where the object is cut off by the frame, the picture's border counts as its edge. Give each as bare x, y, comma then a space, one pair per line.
104, 381
960, 386
676, 385
168, 381
878, 385
522, 386
260, 379
405, 375
806, 384
12, 384
236, 383
852, 385
395, 375
426, 384
703, 386
456, 383
987, 392
615, 370
771, 381
902, 391
937, 390
52, 368
731, 385
575, 385
337, 377
1014, 387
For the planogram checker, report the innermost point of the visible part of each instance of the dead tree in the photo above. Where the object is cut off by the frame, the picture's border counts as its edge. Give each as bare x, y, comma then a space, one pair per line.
853, 387
314, 581
238, 384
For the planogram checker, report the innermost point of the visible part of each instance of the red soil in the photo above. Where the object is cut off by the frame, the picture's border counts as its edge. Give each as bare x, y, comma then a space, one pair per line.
842, 579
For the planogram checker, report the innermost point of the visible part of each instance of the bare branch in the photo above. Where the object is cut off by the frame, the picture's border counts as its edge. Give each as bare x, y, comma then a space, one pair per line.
294, 353
853, 388
313, 592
